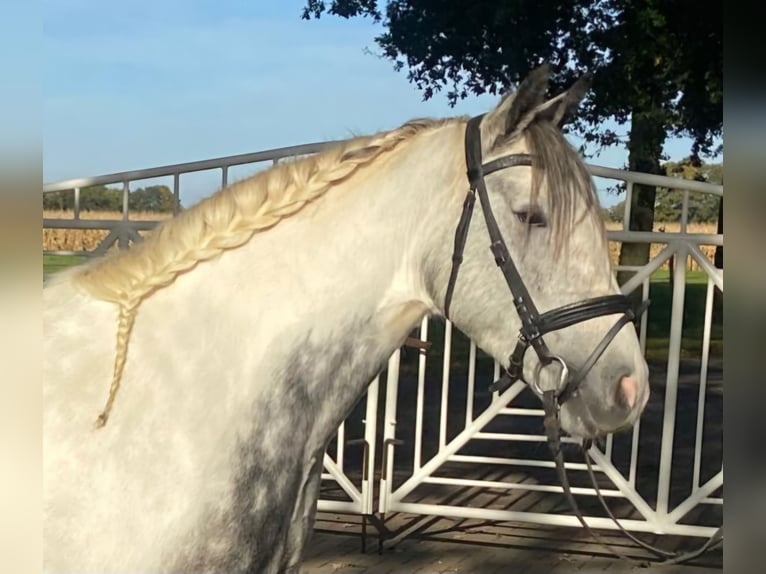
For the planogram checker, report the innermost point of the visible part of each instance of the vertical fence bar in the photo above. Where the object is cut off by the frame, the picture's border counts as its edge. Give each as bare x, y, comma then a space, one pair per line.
644, 326
634, 453
176, 193
671, 385
370, 435
389, 429
703, 383
77, 203
125, 200
471, 383
417, 453
341, 445
628, 201
123, 240
637, 427
224, 176
445, 384
685, 211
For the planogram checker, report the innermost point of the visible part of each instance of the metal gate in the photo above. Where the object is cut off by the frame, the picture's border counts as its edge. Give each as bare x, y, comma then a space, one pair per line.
442, 432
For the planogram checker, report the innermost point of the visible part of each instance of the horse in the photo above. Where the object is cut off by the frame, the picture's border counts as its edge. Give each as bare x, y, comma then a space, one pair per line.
193, 382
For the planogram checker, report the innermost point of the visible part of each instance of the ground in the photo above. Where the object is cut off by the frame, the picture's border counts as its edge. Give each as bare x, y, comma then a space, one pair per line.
437, 545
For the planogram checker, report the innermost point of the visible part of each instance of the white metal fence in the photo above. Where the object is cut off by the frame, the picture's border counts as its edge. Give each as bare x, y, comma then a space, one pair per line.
442, 433
654, 477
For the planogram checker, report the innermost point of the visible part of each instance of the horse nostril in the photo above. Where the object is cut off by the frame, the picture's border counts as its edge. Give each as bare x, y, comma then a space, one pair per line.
628, 391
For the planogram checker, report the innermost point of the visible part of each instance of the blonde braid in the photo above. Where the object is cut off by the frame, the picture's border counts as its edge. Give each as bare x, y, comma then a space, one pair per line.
124, 327
224, 221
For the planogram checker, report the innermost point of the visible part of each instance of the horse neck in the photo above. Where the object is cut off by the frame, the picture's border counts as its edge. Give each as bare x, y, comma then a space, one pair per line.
325, 297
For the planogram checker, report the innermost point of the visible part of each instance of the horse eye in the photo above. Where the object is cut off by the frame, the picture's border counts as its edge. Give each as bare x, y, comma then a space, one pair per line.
534, 218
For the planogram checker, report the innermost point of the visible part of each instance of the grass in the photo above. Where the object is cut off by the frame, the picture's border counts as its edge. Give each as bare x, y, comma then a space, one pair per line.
692, 277
658, 326
53, 263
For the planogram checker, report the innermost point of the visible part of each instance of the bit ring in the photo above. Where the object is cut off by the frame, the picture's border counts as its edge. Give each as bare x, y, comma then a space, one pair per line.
534, 384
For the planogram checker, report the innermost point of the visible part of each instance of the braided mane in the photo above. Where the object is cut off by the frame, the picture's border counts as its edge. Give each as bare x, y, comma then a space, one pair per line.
226, 220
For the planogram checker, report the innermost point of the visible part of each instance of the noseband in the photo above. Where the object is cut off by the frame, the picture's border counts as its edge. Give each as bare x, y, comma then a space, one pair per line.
533, 324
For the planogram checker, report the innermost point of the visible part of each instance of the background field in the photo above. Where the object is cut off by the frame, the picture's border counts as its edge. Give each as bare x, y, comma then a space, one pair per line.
87, 239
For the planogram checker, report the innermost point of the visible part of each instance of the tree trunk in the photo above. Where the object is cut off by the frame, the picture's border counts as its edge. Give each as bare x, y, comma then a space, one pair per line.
718, 262
647, 134
718, 259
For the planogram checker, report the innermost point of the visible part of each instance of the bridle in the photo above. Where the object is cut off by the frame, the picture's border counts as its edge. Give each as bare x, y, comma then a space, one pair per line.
534, 325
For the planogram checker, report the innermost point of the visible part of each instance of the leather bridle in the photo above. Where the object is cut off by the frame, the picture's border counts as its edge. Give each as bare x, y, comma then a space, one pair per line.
534, 325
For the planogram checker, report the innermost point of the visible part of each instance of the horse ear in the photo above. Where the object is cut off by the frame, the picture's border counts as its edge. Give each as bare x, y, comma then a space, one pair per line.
503, 120
527, 105
558, 110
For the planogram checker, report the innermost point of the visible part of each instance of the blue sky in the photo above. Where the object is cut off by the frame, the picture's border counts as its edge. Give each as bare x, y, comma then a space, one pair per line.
138, 84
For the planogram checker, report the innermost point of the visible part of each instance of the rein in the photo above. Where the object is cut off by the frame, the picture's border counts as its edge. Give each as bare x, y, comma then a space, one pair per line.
534, 325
